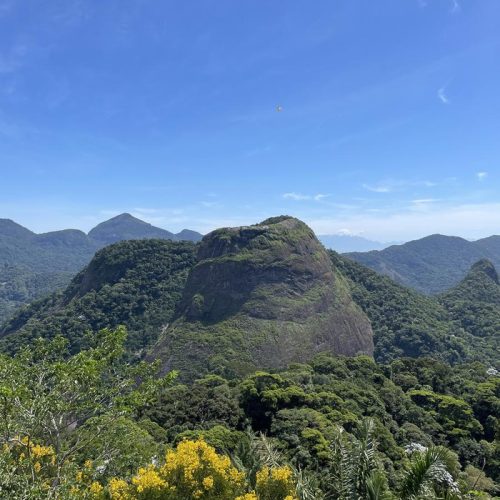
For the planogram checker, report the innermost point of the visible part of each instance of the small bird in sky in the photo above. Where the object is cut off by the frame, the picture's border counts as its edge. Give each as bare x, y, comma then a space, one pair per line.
279, 108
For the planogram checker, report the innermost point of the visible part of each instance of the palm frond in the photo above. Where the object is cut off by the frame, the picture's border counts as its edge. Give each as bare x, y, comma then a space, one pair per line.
427, 469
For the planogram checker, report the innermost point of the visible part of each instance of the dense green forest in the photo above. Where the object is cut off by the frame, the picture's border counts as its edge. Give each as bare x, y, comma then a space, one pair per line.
474, 304
337, 427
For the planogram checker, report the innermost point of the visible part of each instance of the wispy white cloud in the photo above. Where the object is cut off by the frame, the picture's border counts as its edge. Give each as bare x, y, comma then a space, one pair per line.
378, 188
482, 175
296, 196
466, 220
304, 197
455, 7
319, 197
423, 204
441, 93
390, 185
347, 232
425, 201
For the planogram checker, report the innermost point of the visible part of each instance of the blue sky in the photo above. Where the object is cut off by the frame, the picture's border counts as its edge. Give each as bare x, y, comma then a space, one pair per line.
389, 121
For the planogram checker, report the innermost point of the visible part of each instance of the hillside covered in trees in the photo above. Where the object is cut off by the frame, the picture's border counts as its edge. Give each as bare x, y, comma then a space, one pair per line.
237, 418
35, 265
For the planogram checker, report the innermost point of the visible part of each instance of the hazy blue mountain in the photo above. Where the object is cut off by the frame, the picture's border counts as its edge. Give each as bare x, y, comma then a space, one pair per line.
126, 227
344, 243
189, 235
432, 264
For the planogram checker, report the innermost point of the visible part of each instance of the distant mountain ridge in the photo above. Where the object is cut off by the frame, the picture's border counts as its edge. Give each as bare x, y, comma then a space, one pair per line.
432, 264
33, 265
344, 243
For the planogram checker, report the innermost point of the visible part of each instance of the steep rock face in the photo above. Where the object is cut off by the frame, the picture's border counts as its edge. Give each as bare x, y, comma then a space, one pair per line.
262, 296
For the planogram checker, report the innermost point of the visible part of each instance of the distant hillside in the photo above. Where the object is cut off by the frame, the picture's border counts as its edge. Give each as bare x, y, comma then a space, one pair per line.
126, 227
34, 265
432, 264
404, 322
475, 305
135, 283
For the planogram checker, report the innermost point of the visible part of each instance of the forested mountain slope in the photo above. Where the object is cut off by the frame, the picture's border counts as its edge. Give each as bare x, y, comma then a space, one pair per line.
404, 322
474, 304
432, 264
134, 283
35, 265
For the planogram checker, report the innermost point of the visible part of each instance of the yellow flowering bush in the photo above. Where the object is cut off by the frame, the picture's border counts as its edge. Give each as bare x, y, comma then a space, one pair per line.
194, 470
118, 489
275, 484
30, 456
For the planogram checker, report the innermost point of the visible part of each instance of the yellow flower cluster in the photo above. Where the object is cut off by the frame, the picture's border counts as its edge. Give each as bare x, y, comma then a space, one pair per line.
148, 479
208, 482
191, 457
96, 489
39, 451
118, 489
283, 474
275, 483
29, 454
193, 470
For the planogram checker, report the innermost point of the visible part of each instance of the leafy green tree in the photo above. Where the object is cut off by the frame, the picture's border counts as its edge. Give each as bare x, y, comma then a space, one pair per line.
50, 399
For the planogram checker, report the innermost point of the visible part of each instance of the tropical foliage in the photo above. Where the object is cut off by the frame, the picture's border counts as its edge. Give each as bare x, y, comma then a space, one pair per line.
92, 425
